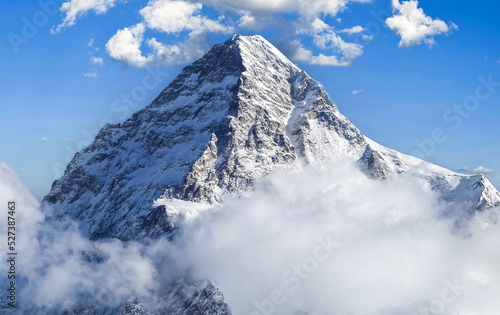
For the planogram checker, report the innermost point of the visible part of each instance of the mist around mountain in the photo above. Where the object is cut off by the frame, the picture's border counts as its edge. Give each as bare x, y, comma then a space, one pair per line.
326, 241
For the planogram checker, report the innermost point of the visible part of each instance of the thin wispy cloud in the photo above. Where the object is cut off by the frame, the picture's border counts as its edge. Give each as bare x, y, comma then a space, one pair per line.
75, 9
91, 74
353, 30
97, 61
477, 170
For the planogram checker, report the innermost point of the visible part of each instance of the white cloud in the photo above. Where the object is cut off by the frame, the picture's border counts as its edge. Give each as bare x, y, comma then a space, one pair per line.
413, 26
314, 8
482, 169
367, 37
173, 17
356, 92
389, 246
326, 238
344, 53
194, 47
96, 61
247, 20
170, 17
91, 42
125, 46
74, 9
353, 30
91, 74
318, 25
311, 9
44, 139
331, 41
274, 6
176, 16
476, 170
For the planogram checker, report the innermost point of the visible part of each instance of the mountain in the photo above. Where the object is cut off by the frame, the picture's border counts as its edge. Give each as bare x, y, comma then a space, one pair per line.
233, 116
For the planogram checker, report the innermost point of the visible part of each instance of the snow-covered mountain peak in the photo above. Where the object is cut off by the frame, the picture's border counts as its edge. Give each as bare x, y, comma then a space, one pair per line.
231, 117
257, 50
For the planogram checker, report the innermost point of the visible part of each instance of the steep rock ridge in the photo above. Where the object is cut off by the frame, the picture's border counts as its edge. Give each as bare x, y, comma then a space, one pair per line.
470, 193
319, 132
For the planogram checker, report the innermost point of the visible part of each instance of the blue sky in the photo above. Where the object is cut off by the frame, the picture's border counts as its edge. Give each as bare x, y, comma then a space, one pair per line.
419, 77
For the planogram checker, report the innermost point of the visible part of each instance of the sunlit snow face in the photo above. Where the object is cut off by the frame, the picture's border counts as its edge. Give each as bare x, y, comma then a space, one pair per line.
316, 242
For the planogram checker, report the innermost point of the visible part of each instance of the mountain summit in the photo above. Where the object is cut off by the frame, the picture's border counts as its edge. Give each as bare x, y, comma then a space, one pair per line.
229, 118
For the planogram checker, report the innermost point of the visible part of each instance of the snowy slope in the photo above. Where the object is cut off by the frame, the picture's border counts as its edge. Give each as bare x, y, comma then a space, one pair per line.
472, 193
231, 117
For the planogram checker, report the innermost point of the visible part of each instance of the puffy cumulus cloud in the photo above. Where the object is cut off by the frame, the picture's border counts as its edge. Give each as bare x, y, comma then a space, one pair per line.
60, 268
332, 241
311, 9
413, 26
258, 6
74, 9
170, 17
296, 21
72, 270
176, 16
26, 215
258, 21
125, 45
308, 242
334, 51
195, 46
342, 53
